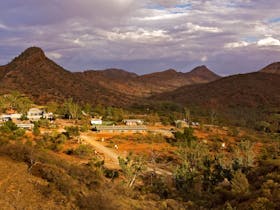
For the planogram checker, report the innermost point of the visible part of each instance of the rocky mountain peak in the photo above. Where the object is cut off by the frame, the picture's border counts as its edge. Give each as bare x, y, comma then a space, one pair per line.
31, 55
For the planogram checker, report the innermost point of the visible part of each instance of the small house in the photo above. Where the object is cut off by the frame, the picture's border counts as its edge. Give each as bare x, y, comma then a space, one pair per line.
35, 114
7, 117
27, 126
95, 121
133, 122
48, 115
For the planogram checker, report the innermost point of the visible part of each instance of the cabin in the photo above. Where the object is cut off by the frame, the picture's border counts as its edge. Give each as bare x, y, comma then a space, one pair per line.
120, 129
48, 115
7, 117
27, 126
95, 121
35, 114
133, 122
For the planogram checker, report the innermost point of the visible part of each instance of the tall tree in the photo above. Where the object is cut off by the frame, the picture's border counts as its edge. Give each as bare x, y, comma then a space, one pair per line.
72, 109
187, 114
15, 101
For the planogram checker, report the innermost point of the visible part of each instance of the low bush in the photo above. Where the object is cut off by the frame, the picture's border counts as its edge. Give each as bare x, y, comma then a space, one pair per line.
72, 131
83, 151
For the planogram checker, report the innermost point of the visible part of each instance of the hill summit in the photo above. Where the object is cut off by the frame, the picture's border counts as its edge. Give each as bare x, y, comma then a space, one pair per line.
31, 55
205, 73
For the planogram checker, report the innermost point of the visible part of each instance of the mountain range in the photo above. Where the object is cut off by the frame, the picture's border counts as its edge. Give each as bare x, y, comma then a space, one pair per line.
43, 80
35, 75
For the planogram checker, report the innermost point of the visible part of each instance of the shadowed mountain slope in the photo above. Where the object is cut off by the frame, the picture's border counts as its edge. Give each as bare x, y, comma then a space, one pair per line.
244, 90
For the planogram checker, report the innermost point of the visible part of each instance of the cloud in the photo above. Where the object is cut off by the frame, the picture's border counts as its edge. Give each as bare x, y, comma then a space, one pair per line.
163, 17
204, 58
139, 35
53, 55
268, 41
265, 42
237, 44
196, 28
2, 26
144, 36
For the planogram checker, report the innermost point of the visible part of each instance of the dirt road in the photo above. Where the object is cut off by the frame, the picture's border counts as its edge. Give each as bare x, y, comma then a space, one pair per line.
111, 155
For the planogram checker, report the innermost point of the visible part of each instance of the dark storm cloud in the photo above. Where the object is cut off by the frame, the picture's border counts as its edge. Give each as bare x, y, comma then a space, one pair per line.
144, 36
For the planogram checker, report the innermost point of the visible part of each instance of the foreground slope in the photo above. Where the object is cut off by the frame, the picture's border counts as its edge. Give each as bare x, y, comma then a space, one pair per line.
20, 190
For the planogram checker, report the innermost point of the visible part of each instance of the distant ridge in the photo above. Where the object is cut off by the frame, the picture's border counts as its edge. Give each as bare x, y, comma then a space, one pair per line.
204, 73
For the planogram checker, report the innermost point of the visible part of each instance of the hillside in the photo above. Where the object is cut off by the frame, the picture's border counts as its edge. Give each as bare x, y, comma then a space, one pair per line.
43, 80
19, 189
245, 90
242, 100
273, 68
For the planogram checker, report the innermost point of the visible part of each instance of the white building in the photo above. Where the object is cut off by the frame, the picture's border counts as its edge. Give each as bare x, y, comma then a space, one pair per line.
133, 122
96, 121
6, 117
35, 114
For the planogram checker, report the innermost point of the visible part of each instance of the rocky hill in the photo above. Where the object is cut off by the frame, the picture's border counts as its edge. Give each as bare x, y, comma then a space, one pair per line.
43, 80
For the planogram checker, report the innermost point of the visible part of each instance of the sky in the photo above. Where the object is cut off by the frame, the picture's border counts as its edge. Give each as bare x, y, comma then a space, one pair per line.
143, 36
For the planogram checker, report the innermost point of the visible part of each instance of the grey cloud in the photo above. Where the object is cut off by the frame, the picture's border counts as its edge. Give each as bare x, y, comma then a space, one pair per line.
142, 36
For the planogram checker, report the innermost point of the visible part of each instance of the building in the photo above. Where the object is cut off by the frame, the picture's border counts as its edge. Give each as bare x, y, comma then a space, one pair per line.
120, 129
133, 122
6, 117
28, 126
48, 115
35, 114
95, 121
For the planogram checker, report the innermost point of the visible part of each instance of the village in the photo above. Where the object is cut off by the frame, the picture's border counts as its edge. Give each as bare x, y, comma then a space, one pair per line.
136, 152
109, 139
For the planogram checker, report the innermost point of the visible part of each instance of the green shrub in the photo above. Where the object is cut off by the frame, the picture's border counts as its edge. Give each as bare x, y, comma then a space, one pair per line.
72, 131
186, 137
44, 123
83, 151
8, 127
19, 133
36, 130
262, 203
110, 173
263, 126
239, 184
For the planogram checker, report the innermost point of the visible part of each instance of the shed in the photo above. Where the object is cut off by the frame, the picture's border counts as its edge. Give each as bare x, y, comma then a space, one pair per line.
133, 122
